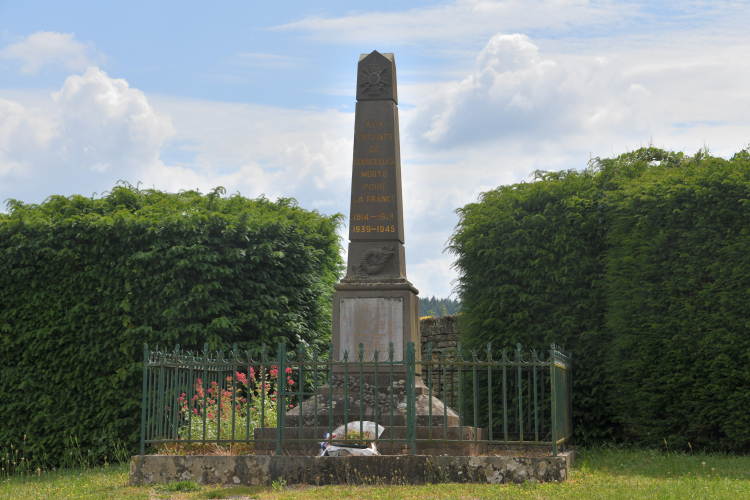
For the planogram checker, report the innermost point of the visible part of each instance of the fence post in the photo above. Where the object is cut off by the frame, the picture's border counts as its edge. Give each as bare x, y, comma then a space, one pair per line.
410, 398
280, 399
553, 397
143, 400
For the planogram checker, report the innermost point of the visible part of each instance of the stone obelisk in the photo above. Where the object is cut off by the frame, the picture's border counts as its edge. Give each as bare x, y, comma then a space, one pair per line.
375, 304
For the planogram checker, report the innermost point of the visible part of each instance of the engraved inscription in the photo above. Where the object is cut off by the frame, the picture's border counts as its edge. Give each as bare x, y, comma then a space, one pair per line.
374, 161
373, 322
374, 173
378, 216
373, 137
374, 229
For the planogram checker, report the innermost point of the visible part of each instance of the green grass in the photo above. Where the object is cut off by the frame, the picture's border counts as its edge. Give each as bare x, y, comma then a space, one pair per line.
599, 473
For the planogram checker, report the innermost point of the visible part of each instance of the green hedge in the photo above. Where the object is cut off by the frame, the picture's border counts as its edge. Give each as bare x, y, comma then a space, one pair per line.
678, 277
638, 265
530, 262
85, 282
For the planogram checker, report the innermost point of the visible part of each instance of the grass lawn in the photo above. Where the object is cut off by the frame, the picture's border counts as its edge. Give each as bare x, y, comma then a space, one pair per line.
598, 473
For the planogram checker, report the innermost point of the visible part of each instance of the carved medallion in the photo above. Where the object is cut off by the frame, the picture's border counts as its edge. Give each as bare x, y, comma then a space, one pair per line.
374, 260
374, 79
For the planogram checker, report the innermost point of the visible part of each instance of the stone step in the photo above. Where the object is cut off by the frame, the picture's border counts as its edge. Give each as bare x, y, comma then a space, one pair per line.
438, 446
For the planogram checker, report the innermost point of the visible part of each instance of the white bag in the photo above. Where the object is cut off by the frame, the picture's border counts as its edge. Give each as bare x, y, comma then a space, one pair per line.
370, 430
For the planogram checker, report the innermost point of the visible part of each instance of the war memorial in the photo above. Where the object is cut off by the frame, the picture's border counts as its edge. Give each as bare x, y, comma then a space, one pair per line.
373, 372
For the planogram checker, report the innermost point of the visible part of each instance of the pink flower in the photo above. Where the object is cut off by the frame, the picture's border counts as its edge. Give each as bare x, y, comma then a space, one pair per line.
289, 369
210, 401
290, 382
195, 411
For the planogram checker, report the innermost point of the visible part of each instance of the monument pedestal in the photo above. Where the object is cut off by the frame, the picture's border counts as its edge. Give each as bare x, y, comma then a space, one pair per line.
434, 421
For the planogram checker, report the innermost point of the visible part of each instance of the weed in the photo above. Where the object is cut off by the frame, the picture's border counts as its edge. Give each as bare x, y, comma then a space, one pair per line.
279, 485
180, 486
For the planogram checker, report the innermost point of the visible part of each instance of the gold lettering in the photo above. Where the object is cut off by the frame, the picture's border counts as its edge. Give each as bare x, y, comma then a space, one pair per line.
373, 137
371, 173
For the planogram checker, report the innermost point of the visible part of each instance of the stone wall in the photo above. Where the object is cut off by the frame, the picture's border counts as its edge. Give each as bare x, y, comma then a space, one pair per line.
442, 332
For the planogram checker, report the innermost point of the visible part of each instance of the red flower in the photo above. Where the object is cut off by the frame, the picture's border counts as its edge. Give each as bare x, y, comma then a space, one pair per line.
289, 369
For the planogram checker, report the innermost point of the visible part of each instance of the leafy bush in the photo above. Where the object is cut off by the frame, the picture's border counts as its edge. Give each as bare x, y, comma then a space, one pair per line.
85, 282
636, 264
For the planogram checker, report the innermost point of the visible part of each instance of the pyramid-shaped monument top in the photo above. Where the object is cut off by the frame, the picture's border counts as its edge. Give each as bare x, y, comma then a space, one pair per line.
376, 77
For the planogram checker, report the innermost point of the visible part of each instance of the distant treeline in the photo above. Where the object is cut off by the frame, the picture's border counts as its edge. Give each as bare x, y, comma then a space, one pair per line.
438, 307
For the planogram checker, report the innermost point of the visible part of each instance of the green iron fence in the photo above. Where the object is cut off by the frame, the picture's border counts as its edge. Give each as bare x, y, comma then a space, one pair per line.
264, 403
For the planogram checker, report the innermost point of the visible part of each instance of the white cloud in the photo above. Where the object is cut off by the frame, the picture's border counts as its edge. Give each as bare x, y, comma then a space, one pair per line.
453, 24
24, 135
106, 123
522, 98
256, 149
45, 48
83, 138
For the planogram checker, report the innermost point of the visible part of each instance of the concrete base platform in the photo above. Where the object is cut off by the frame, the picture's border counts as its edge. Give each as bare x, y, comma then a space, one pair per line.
411, 469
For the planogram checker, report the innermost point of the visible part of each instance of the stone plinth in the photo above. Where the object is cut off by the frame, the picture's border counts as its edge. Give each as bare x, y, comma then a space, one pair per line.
264, 470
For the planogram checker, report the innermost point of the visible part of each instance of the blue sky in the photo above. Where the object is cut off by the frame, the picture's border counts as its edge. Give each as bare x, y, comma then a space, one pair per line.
259, 98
